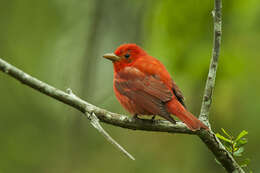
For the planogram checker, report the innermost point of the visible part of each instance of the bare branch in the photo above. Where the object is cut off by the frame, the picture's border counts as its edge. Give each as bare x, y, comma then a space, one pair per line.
208, 92
94, 121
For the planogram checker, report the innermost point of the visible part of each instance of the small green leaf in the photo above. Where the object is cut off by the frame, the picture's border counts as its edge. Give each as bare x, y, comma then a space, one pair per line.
229, 148
239, 152
245, 162
230, 137
241, 142
223, 138
242, 134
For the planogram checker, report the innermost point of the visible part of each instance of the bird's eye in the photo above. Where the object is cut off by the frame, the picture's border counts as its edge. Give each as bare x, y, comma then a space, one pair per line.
127, 55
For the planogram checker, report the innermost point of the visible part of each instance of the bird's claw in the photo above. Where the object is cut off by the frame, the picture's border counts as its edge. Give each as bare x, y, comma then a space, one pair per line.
135, 117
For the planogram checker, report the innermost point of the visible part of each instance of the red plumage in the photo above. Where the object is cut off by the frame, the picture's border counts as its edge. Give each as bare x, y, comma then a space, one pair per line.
144, 87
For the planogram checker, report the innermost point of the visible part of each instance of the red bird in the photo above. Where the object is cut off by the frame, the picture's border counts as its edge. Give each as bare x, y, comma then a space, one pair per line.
144, 87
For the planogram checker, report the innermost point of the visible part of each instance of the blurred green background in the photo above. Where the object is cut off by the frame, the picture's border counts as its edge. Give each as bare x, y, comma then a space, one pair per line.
62, 42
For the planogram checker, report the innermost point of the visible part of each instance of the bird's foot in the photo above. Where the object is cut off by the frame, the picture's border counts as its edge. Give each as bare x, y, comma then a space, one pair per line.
135, 117
153, 119
173, 120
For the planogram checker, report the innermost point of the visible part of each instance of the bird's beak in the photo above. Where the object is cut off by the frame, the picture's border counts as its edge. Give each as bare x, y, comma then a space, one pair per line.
111, 57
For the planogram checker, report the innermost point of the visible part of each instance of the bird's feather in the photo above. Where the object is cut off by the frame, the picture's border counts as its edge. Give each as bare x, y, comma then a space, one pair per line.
143, 94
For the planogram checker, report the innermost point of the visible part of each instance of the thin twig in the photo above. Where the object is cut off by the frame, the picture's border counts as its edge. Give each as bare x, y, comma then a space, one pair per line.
207, 97
94, 121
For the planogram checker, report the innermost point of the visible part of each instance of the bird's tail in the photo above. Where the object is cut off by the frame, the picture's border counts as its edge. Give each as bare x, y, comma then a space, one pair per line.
193, 123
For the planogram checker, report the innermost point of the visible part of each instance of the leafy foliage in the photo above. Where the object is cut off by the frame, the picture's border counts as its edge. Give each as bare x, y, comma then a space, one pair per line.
235, 146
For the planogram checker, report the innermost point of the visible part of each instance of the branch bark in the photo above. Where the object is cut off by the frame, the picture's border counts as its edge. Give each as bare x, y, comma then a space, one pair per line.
210, 83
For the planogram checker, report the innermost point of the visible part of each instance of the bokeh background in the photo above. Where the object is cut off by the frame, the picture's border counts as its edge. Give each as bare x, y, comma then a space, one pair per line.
62, 42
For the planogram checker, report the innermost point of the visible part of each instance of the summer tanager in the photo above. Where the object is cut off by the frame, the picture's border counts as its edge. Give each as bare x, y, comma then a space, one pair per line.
143, 86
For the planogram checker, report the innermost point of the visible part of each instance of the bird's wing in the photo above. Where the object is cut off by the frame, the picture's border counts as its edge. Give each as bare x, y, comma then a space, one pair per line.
177, 92
147, 92
153, 65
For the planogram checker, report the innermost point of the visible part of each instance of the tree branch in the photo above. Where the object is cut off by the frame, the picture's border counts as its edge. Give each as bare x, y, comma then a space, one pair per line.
208, 92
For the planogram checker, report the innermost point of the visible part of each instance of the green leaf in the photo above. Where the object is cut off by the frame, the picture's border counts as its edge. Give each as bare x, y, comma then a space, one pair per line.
229, 147
241, 142
223, 138
245, 162
239, 152
230, 137
242, 134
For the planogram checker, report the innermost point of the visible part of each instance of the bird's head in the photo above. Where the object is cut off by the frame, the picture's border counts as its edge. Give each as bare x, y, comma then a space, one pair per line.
125, 55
